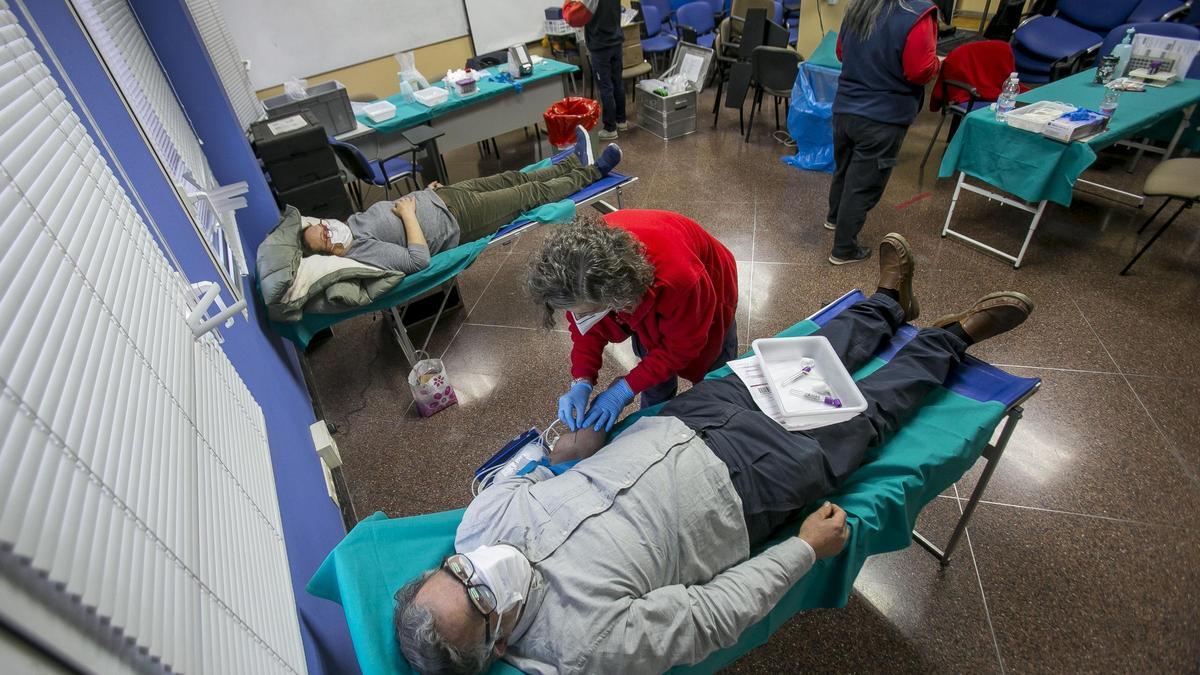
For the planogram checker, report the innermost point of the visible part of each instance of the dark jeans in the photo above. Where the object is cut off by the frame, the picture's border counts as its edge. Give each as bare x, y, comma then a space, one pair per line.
865, 152
606, 67
777, 472
665, 390
482, 205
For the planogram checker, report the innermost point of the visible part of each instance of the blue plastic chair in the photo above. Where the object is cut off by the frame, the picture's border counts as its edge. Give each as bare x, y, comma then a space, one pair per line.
380, 173
698, 16
657, 41
1047, 45
665, 12
793, 23
718, 9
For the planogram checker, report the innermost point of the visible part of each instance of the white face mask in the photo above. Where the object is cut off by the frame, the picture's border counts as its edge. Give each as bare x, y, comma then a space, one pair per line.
339, 232
584, 322
506, 571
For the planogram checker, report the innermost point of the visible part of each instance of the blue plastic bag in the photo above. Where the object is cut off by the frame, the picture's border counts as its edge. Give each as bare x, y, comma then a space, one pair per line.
810, 118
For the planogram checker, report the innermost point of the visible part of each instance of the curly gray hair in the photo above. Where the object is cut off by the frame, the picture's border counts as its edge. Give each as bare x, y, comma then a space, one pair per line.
587, 261
425, 649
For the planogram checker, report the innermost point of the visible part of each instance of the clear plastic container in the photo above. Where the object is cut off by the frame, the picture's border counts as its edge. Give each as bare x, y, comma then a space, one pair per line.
432, 96
780, 359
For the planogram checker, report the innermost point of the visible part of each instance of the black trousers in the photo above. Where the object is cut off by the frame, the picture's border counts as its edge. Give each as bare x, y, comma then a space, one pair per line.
607, 68
865, 152
777, 472
665, 390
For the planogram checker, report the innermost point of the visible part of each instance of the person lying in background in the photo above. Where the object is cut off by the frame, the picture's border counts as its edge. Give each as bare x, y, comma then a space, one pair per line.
638, 558
404, 234
654, 275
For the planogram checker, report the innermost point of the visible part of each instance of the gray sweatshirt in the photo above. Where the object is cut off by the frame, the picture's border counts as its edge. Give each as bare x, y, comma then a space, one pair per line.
640, 554
379, 237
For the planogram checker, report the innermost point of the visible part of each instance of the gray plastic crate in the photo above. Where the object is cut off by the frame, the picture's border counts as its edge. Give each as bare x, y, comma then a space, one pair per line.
327, 101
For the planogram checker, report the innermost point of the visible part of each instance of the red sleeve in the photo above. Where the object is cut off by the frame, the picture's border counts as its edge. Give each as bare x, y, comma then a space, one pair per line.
920, 51
576, 14
839, 47
587, 350
684, 320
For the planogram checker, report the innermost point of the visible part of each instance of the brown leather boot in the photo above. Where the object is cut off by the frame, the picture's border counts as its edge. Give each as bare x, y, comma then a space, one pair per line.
991, 315
896, 267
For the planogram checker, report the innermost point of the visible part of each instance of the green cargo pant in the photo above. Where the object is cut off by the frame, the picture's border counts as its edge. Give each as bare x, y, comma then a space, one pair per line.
482, 205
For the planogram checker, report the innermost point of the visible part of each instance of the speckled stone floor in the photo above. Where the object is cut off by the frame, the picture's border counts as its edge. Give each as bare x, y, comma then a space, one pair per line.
1085, 555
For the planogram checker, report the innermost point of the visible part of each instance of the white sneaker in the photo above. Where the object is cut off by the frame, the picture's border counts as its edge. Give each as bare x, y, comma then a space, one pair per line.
622, 126
607, 135
830, 226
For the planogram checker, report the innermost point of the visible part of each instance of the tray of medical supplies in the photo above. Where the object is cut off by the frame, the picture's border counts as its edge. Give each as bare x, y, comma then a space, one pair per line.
809, 381
1035, 116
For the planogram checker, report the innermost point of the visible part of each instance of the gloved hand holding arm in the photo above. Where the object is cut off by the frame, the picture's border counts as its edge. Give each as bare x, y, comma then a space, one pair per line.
607, 407
572, 406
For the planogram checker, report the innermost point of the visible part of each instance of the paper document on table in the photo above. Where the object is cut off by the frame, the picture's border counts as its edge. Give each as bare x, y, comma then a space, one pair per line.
1179, 51
750, 371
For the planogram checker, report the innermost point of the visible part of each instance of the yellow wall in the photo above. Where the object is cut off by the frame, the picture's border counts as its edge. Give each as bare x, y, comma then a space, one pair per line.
810, 23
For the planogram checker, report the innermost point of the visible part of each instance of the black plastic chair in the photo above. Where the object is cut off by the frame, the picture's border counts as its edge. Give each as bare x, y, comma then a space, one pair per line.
753, 33
380, 173
774, 72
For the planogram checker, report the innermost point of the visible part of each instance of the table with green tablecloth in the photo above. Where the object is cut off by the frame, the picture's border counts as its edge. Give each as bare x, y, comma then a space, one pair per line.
1038, 170
499, 106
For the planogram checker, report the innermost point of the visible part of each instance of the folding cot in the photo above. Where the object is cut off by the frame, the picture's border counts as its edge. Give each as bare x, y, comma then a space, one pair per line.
882, 498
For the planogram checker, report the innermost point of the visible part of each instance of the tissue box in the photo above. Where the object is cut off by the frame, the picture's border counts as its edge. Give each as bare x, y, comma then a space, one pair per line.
380, 111
1066, 130
432, 96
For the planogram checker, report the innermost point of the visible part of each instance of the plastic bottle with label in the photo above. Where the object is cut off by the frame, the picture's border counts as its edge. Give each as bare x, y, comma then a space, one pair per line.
1008, 97
1123, 52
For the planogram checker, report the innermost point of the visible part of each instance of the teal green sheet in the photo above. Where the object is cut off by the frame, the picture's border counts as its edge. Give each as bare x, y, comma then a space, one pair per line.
442, 267
826, 52
409, 115
1036, 168
882, 498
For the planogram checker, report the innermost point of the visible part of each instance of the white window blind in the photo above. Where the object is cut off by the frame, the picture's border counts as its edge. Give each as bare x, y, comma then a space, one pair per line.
135, 475
232, 70
118, 37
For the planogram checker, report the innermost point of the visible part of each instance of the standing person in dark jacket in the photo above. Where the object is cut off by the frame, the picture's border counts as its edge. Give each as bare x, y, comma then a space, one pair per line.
889, 52
601, 23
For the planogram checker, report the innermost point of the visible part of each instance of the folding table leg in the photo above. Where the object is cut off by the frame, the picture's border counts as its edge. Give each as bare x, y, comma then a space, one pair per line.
1037, 218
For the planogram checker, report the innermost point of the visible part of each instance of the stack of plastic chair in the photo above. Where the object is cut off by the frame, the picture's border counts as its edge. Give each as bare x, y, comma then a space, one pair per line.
1049, 47
698, 17
793, 23
657, 41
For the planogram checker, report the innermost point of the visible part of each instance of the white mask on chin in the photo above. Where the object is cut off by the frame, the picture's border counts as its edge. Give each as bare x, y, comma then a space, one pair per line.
584, 322
506, 571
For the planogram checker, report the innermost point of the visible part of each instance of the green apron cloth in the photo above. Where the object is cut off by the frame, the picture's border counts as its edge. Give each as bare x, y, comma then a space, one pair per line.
1036, 168
409, 115
826, 52
442, 267
882, 499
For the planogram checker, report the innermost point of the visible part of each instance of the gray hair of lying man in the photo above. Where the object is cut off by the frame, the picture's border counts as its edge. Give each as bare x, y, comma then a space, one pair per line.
588, 262
425, 649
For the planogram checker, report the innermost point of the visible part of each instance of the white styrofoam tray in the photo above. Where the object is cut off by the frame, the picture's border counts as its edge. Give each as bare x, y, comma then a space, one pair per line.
432, 96
380, 111
780, 359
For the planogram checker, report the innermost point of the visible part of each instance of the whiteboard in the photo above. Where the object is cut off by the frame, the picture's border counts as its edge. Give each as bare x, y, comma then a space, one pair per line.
498, 24
285, 38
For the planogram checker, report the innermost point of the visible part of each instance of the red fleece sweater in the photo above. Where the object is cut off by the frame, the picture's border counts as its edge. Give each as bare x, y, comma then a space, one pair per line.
684, 316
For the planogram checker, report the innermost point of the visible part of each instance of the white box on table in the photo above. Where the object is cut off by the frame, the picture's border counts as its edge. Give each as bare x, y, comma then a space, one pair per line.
780, 359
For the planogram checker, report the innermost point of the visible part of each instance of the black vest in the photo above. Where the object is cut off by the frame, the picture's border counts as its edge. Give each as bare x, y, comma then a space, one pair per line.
872, 83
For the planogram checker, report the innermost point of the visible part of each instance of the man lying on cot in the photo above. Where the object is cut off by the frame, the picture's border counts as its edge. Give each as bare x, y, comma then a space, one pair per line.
402, 235
638, 557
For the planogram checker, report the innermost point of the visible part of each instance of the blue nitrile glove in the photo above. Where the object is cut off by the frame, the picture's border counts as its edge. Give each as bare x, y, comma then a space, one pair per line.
607, 406
573, 405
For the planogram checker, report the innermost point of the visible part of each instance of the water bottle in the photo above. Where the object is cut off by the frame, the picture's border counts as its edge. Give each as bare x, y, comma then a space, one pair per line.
1008, 97
1109, 105
1123, 52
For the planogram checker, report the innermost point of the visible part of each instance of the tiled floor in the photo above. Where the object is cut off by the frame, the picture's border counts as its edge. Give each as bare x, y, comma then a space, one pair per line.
1086, 554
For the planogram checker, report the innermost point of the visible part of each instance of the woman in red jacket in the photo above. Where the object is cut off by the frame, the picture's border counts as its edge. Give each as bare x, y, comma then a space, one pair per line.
654, 275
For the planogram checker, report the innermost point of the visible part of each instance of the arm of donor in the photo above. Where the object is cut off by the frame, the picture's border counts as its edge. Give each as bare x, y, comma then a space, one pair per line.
406, 209
683, 624
577, 14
